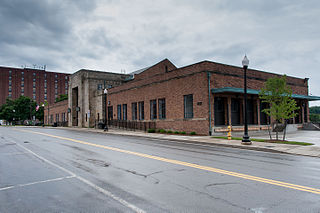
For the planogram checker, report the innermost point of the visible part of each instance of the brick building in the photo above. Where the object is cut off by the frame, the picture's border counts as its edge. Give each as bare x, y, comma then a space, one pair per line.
201, 97
40, 85
56, 113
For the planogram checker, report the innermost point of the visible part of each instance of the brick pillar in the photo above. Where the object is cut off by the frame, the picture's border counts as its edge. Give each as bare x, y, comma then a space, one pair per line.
229, 111
258, 111
302, 112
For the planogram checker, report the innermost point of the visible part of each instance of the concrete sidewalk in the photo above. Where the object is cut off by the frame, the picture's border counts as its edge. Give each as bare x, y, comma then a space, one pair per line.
312, 151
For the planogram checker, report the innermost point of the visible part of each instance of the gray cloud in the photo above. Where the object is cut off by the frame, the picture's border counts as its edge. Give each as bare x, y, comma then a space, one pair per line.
280, 36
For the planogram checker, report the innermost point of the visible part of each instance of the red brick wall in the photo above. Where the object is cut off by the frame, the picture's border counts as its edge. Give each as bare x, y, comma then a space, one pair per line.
54, 109
155, 83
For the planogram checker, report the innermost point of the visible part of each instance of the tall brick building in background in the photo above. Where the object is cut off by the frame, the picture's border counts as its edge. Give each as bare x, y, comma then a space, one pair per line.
40, 85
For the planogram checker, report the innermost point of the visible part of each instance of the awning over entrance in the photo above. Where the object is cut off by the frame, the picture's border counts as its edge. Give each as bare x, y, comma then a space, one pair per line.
256, 92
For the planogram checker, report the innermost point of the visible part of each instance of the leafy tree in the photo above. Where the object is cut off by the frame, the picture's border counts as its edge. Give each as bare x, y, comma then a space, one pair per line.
62, 97
7, 110
23, 108
314, 110
278, 94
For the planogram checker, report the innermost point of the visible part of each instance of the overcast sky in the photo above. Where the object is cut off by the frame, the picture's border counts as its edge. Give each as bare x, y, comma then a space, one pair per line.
278, 36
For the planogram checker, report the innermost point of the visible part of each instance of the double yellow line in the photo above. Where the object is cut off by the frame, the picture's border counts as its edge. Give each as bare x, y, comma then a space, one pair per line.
192, 165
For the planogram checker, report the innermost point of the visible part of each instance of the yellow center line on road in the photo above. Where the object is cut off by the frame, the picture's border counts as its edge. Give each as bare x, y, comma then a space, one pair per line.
192, 165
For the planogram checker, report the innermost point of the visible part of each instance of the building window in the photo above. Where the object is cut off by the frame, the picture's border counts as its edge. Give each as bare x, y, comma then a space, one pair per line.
45, 76
34, 80
66, 86
66, 77
162, 108
134, 111
57, 117
45, 90
63, 117
10, 95
34, 74
51, 118
10, 78
56, 86
56, 91
45, 84
22, 84
22, 73
10, 83
34, 84
45, 96
99, 86
22, 78
10, 90
56, 76
124, 110
22, 89
141, 110
119, 112
66, 92
188, 106
153, 109
34, 97
10, 72
34, 90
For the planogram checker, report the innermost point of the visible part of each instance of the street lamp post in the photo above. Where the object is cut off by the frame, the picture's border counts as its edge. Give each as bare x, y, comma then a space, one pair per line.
246, 138
105, 91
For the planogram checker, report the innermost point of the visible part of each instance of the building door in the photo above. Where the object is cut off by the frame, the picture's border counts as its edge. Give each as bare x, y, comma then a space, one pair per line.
263, 116
110, 113
75, 106
250, 111
235, 111
219, 112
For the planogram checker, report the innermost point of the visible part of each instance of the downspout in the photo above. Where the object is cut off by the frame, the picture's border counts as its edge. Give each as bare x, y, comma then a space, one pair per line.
210, 127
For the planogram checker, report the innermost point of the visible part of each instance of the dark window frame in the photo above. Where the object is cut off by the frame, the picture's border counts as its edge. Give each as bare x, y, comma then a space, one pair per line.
188, 106
134, 109
124, 112
141, 110
119, 112
162, 108
153, 109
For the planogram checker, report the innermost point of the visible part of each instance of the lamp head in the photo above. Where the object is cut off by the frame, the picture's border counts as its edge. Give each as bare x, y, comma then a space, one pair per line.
245, 61
105, 91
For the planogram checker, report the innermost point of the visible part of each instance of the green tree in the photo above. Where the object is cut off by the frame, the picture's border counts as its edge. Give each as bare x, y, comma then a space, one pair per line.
278, 94
61, 97
23, 108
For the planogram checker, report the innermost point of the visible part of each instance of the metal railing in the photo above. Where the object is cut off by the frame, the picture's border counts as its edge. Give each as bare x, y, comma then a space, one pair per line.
132, 125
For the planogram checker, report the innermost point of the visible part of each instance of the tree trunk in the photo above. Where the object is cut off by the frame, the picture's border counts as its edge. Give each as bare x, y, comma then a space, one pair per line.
269, 130
285, 130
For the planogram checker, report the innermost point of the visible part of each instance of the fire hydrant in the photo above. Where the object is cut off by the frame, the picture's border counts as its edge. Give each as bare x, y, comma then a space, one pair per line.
229, 132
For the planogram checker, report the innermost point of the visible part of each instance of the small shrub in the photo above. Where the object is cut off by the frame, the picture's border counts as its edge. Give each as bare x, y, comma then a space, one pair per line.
183, 133
193, 133
169, 131
151, 130
176, 132
162, 131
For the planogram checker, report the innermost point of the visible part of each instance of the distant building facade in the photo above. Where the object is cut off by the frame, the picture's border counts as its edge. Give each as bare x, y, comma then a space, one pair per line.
86, 98
40, 85
202, 97
57, 113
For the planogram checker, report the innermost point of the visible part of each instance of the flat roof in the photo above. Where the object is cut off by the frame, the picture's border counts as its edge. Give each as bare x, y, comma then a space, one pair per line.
256, 92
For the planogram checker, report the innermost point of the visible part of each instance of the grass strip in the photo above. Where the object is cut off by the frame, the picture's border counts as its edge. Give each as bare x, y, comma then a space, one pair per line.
266, 141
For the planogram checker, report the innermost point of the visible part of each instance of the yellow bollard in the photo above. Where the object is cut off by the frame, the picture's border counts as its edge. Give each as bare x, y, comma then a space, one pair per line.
229, 132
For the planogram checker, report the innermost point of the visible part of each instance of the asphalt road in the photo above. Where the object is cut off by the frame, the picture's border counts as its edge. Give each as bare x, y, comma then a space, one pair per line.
54, 170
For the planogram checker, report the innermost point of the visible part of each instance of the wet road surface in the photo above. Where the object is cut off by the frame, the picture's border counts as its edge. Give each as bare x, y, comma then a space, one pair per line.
54, 170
